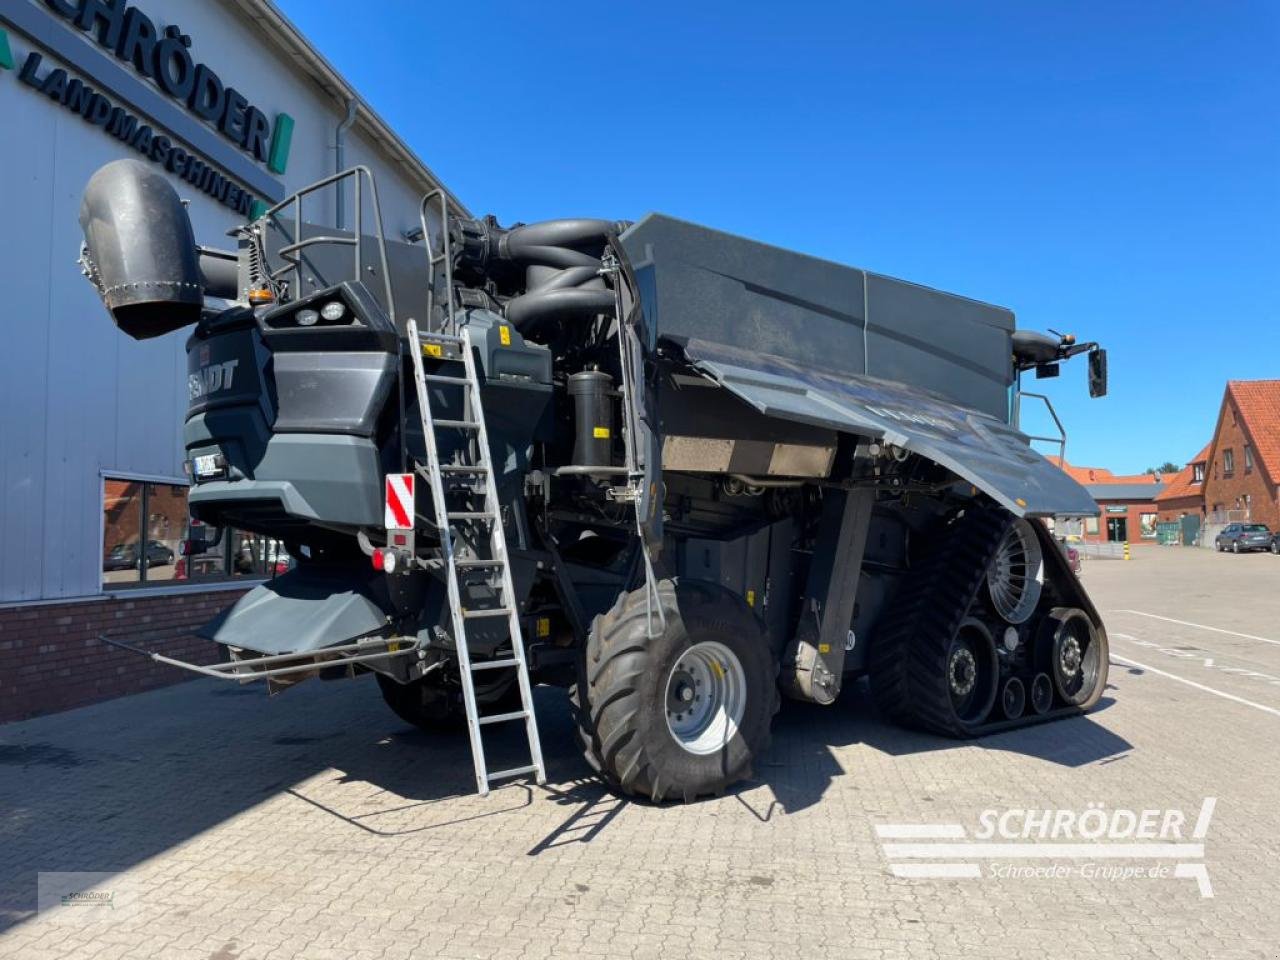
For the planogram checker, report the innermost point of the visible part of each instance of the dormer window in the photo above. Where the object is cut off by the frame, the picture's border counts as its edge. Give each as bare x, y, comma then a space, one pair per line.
1197, 473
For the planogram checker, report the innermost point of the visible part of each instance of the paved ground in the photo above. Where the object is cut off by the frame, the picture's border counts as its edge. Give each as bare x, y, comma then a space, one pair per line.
315, 825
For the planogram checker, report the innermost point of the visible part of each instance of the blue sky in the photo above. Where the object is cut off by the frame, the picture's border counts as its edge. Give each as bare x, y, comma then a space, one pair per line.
1111, 169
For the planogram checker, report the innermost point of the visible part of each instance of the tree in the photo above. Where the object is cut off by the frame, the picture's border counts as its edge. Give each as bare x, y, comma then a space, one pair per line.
1167, 467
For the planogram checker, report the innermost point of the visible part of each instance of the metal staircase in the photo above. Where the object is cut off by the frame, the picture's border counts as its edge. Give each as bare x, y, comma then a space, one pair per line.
479, 529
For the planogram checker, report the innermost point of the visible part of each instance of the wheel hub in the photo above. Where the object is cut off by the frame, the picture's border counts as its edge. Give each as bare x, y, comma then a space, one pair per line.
706, 697
1069, 658
963, 672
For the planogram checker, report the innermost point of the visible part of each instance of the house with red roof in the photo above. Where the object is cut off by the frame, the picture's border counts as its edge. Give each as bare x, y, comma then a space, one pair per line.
1126, 502
1242, 465
1182, 499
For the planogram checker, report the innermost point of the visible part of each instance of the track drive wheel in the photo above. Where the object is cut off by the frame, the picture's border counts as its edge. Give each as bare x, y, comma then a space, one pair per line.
682, 714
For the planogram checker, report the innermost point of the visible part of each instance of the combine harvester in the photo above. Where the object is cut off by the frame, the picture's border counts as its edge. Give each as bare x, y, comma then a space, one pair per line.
673, 470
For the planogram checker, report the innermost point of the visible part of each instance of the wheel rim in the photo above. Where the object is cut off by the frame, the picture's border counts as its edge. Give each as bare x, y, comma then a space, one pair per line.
1075, 659
1013, 698
1041, 693
706, 696
971, 673
1016, 574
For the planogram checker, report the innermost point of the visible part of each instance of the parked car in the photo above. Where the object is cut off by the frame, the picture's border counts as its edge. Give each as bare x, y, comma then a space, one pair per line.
124, 556
1241, 537
1275, 543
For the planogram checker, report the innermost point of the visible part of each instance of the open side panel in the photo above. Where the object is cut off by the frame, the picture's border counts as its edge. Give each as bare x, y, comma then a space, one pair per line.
976, 447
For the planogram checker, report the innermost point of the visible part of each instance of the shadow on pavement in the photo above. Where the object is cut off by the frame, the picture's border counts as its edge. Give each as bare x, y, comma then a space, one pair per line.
106, 787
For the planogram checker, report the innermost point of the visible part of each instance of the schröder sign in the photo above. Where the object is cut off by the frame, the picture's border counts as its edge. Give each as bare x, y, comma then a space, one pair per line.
130, 35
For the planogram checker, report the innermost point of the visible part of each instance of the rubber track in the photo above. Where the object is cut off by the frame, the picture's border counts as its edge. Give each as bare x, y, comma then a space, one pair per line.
908, 667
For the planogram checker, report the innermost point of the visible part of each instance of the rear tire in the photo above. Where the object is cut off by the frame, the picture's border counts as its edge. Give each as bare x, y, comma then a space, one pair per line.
425, 703
683, 714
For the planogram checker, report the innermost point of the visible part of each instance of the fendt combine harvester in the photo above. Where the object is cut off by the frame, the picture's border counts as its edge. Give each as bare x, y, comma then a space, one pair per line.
676, 471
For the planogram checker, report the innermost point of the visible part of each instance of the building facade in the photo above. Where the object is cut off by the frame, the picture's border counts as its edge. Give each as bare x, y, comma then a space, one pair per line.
1181, 503
1243, 462
238, 110
1126, 504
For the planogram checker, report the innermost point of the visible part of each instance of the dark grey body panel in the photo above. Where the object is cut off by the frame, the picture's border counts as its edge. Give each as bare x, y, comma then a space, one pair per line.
300, 612
704, 284
978, 448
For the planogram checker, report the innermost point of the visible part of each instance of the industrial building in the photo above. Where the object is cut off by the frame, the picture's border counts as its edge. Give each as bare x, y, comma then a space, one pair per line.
239, 110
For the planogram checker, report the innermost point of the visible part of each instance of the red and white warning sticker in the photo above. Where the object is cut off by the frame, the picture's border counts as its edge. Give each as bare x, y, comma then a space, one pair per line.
399, 511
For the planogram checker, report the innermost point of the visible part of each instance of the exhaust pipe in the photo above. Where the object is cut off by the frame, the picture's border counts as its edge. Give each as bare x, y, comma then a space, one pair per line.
140, 251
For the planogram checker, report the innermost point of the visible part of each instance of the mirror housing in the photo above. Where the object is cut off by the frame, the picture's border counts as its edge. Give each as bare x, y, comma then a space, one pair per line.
1097, 372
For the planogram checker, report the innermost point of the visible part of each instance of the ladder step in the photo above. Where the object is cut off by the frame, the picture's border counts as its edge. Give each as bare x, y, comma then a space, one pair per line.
495, 664
513, 772
463, 468
504, 717
457, 424
439, 378
474, 564
495, 612
469, 515
439, 338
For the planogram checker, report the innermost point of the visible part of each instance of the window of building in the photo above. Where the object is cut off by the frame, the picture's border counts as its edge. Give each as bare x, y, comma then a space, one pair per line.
145, 525
1228, 462
1091, 525
1248, 458
1197, 473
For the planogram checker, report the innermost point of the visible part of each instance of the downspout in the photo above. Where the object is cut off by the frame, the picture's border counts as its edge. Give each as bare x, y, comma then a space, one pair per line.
340, 161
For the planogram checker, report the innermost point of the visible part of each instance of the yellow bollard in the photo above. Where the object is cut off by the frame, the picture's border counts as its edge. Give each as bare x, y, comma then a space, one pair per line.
1126, 549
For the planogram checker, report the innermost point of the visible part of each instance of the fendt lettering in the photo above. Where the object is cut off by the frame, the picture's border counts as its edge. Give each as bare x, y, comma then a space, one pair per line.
633, 460
211, 379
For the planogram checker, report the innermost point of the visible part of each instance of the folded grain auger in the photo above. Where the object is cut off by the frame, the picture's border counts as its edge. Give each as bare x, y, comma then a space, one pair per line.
672, 469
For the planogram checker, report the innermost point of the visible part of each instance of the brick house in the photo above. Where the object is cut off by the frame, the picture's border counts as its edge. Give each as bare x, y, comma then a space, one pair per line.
1182, 499
1242, 465
1127, 505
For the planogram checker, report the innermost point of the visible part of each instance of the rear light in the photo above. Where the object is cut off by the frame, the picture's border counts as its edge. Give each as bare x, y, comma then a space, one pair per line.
180, 569
376, 558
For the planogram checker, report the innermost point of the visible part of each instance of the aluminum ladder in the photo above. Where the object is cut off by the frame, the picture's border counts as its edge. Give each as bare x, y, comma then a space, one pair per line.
483, 525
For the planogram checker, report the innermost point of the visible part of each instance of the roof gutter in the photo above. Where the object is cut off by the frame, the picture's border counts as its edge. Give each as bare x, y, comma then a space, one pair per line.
277, 28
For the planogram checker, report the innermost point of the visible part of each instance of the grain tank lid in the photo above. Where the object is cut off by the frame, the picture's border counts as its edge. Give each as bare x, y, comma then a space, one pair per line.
976, 447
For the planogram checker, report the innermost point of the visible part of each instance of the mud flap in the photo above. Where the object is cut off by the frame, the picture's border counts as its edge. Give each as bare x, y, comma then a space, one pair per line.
978, 448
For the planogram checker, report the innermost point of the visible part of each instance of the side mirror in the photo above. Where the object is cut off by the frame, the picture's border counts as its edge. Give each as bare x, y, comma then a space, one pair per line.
1097, 372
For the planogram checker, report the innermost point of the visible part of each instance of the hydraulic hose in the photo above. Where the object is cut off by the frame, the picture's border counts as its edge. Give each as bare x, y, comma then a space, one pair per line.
561, 261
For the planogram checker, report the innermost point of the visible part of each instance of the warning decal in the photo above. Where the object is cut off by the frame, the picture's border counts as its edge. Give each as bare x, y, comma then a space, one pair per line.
399, 512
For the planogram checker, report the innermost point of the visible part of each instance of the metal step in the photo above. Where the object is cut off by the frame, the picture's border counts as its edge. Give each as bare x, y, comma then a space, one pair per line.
513, 772
439, 338
476, 564
504, 717
457, 424
440, 378
495, 664
469, 515
464, 468
482, 614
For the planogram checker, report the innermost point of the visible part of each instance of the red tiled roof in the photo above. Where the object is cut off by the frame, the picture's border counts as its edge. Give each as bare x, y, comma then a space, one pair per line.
1181, 484
1259, 404
1098, 474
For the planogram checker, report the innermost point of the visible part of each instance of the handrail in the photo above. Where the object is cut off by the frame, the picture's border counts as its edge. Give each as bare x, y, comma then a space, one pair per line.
445, 256
1060, 439
288, 251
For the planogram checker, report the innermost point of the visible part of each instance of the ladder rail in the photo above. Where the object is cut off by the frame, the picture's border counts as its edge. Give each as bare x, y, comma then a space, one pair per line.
498, 549
499, 559
446, 549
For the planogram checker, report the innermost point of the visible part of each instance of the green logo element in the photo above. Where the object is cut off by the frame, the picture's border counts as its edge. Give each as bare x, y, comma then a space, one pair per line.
281, 138
257, 209
6, 55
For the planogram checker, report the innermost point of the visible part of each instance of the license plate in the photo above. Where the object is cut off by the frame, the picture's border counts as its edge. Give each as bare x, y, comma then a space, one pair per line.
207, 466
